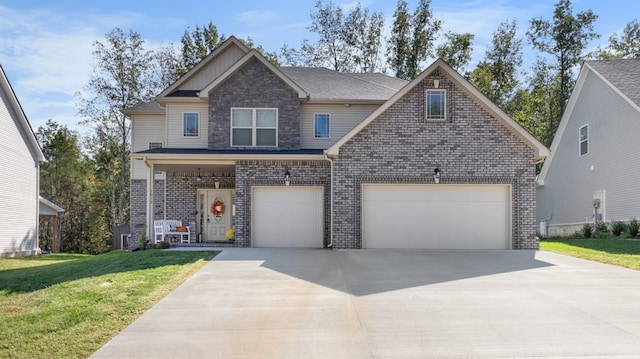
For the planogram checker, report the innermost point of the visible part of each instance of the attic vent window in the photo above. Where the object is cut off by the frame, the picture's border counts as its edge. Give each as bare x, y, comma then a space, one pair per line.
436, 104
584, 140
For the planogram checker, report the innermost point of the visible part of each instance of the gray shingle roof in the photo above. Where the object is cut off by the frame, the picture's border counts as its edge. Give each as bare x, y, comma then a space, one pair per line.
325, 84
146, 106
624, 74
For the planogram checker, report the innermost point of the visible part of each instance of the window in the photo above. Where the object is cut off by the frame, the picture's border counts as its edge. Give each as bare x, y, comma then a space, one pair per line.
153, 145
584, 140
190, 122
321, 125
254, 127
436, 104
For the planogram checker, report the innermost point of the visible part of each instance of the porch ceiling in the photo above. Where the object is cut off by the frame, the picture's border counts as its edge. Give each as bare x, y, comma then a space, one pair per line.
204, 168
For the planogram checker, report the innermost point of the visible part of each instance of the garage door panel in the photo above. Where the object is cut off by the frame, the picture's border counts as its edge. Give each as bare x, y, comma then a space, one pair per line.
436, 216
288, 217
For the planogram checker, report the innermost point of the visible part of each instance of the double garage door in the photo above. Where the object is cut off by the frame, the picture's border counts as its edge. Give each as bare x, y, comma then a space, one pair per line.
436, 216
393, 216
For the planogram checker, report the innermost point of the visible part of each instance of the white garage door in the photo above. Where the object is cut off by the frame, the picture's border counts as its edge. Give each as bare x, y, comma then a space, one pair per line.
436, 216
288, 217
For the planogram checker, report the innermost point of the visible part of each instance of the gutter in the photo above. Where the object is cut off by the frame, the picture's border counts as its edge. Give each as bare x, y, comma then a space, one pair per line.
326, 157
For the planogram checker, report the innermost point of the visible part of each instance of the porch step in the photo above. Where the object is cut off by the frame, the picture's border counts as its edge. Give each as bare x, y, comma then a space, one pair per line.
206, 244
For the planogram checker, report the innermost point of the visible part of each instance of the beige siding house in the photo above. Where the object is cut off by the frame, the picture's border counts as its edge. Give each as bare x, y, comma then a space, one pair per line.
592, 173
20, 157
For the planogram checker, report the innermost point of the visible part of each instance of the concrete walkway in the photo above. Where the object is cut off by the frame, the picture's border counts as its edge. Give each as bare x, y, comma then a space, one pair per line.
288, 303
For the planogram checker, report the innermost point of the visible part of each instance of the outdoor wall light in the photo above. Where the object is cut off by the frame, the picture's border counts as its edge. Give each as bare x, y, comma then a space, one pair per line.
199, 178
287, 178
216, 184
436, 175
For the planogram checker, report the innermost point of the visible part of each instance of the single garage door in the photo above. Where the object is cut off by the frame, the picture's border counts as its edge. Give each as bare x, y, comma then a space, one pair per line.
288, 217
436, 216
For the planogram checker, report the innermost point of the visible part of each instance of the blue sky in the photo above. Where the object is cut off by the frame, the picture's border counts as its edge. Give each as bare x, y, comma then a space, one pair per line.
45, 47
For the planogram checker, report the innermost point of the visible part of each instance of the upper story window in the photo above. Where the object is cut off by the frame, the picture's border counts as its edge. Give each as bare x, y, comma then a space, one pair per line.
190, 124
584, 140
436, 104
254, 127
322, 125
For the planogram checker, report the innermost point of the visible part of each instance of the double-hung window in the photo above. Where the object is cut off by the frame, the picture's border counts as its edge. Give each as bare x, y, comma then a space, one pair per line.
322, 125
254, 127
584, 140
190, 124
436, 105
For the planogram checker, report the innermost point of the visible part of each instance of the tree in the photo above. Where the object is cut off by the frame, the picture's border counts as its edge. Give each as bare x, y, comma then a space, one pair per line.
122, 78
456, 50
412, 38
627, 46
497, 75
196, 45
565, 39
362, 33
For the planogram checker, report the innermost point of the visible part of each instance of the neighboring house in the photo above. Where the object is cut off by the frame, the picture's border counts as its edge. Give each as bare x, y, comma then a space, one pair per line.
592, 173
308, 157
20, 157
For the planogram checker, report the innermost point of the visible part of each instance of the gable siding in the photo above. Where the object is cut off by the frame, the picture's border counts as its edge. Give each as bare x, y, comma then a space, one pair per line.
254, 86
471, 147
18, 185
343, 120
613, 152
223, 62
175, 112
145, 129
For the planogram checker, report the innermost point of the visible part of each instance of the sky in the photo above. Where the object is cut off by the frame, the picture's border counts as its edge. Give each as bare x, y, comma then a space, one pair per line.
46, 46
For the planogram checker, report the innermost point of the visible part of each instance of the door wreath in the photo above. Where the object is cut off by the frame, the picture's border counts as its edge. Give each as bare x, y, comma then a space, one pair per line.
217, 208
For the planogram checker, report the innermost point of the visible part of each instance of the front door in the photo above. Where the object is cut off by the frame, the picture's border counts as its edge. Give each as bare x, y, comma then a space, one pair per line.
215, 215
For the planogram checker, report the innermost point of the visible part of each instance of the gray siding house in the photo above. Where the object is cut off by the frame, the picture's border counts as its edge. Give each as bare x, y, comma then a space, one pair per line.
20, 157
308, 157
592, 173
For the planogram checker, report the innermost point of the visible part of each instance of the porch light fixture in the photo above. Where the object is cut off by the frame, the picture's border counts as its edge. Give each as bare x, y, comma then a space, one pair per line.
436, 175
199, 178
216, 184
287, 178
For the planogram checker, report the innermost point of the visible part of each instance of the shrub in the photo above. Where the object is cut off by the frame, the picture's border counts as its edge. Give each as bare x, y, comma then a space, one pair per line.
587, 230
164, 245
602, 228
142, 239
634, 227
617, 227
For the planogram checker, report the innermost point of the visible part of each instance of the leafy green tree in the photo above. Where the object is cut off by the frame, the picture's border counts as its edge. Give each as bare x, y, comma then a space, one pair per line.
362, 33
497, 75
412, 38
565, 38
122, 78
196, 45
625, 46
456, 50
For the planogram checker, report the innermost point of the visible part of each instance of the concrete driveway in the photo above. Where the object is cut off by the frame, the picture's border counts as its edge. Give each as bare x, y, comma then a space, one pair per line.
288, 303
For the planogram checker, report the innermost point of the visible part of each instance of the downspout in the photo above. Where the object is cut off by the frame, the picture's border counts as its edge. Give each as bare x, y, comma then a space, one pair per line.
331, 202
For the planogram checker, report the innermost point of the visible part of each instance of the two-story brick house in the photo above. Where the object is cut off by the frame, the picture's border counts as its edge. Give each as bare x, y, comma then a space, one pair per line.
308, 157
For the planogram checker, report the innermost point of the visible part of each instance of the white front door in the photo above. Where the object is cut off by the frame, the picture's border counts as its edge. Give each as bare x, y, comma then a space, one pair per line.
215, 217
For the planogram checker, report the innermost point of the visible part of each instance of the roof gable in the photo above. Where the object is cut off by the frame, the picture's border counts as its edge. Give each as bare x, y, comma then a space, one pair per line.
207, 61
22, 118
253, 54
540, 150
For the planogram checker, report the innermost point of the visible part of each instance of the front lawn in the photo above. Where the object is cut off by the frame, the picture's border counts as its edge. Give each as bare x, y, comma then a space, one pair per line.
621, 252
68, 306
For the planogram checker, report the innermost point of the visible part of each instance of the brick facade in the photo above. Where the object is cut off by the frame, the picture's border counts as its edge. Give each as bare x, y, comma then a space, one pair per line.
400, 146
138, 200
254, 86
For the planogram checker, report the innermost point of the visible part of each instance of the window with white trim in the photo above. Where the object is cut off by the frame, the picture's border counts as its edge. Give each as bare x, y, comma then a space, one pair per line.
255, 127
322, 125
436, 105
584, 140
190, 124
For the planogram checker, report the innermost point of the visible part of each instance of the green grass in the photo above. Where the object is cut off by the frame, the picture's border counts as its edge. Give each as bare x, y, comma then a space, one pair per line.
621, 252
68, 306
